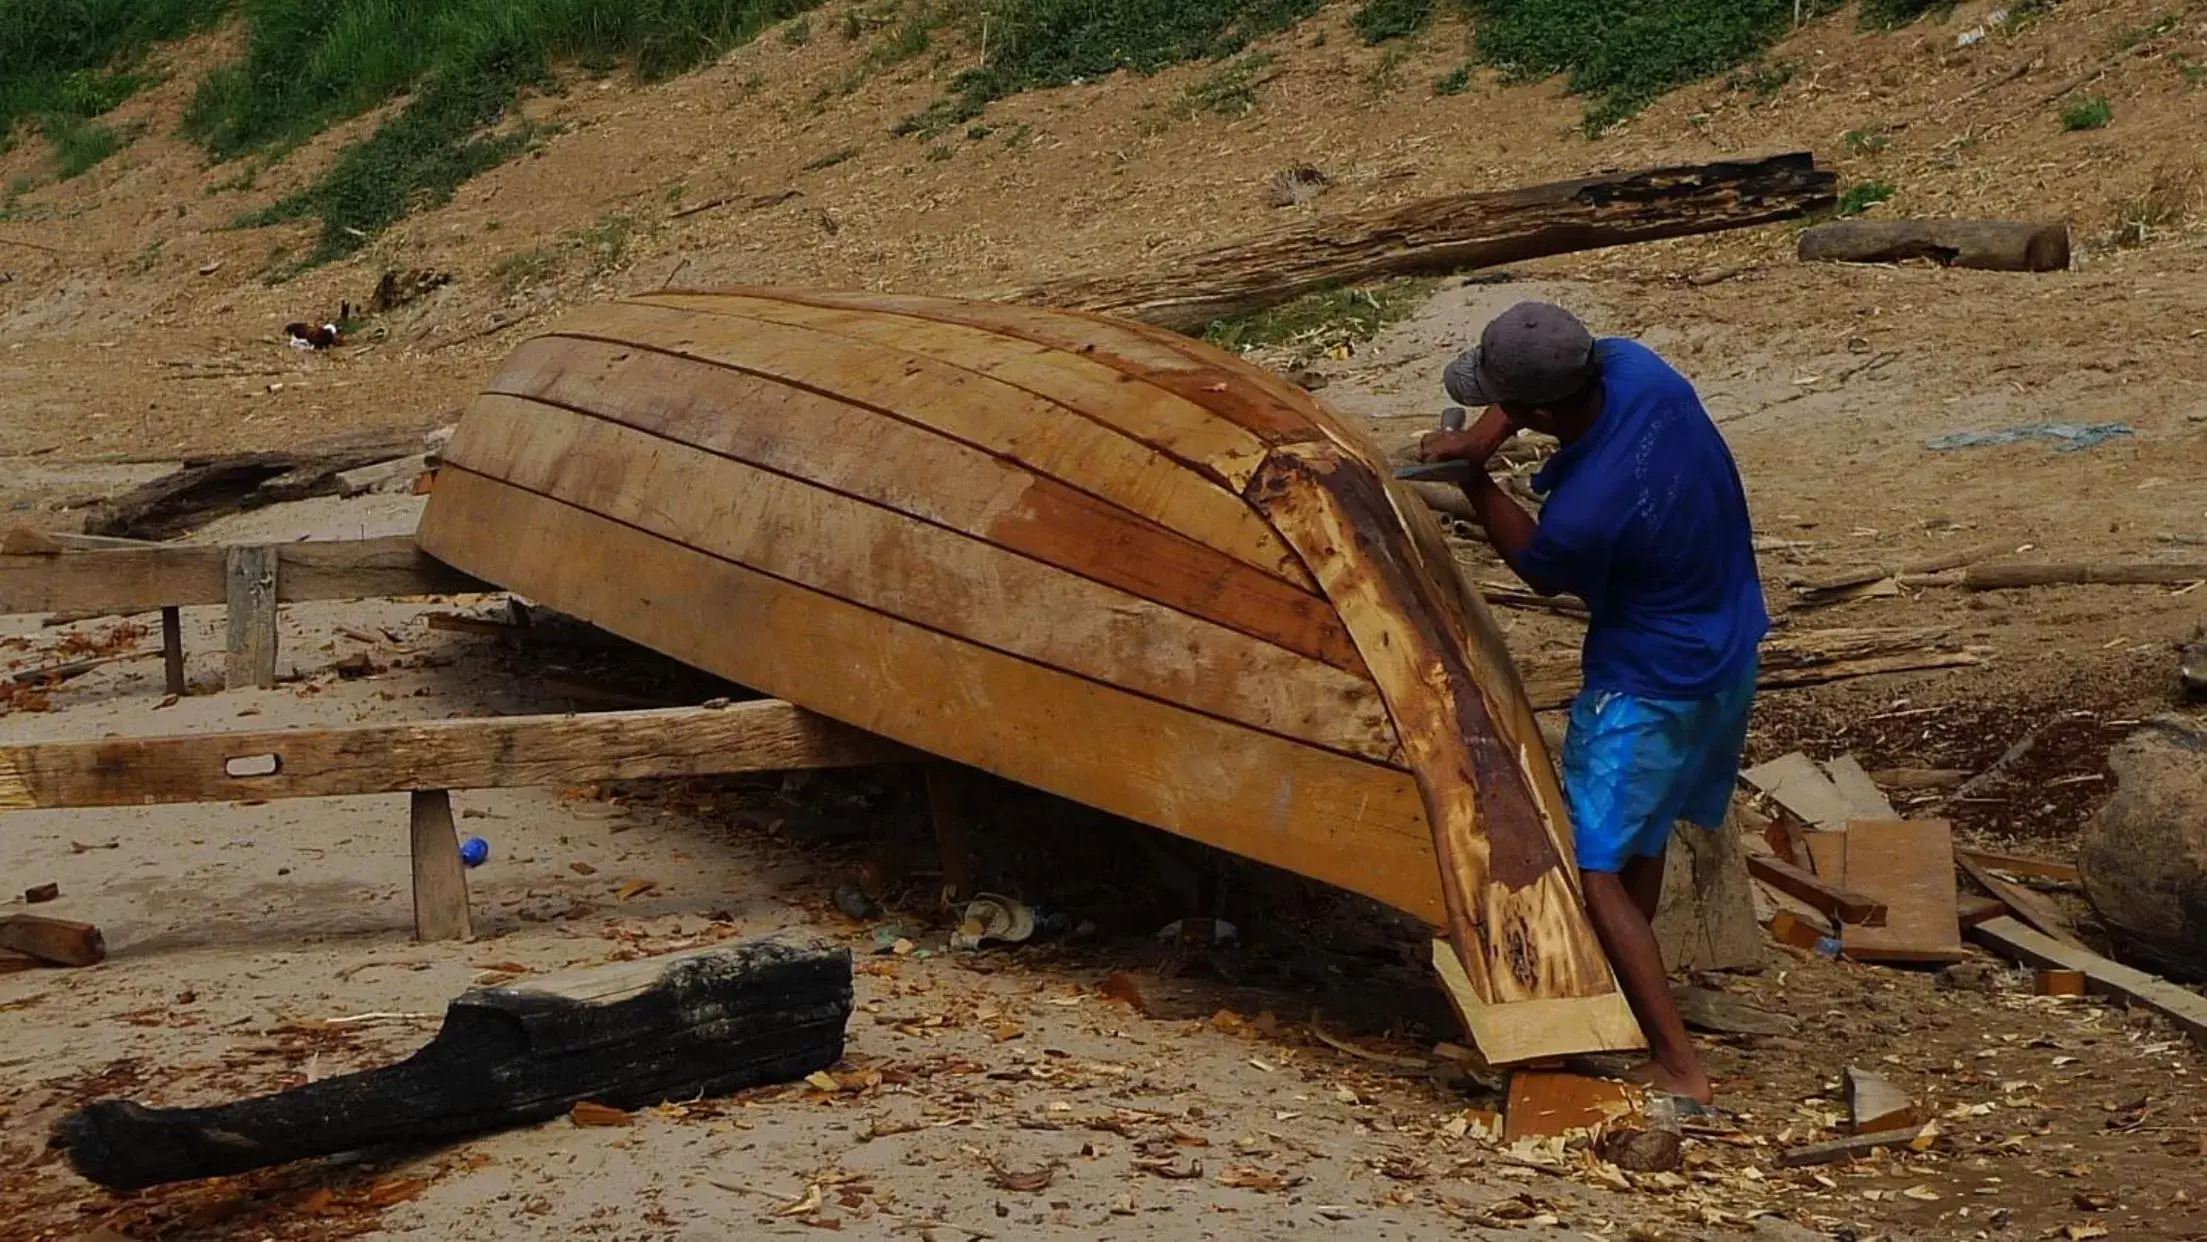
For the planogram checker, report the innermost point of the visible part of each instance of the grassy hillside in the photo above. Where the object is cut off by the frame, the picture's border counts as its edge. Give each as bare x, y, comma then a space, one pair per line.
457, 68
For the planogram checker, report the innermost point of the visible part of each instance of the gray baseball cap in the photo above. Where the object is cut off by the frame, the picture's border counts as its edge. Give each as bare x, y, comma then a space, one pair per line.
1532, 354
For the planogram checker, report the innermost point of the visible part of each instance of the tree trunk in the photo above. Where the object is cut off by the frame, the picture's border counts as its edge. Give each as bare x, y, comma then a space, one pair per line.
1446, 234
1994, 245
626, 1035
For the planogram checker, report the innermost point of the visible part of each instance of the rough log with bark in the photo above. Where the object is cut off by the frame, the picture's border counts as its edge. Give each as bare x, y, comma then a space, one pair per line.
1993, 245
1450, 233
626, 1035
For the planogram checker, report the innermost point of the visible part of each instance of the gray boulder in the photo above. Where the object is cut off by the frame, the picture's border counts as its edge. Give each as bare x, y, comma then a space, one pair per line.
2144, 856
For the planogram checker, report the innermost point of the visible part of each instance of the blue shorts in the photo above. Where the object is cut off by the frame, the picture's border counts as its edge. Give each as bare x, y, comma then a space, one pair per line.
1634, 766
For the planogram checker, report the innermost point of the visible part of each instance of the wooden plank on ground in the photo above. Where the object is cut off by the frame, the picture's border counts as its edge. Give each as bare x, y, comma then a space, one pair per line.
2014, 941
766, 736
56, 942
986, 413
1845, 904
2022, 864
1514, 913
1908, 864
945, 580
1974, 909
2033, 908
1862, 795
1827, 853
126, 580
1794, 782
1915, 1138
1349, 822
872, 456
249, 577
1544, 1103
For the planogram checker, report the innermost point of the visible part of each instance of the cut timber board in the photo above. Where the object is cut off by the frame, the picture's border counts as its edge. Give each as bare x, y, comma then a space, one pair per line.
126, 580
1818, 891
1544, 1103
2018, 943
766, 736
2023, 864
2025, 904
1795, 782
1864, 799
1514, 913
1909, 865
1342, 820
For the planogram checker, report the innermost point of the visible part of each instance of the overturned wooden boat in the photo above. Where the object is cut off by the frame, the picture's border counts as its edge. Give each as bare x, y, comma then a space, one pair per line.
1087, 555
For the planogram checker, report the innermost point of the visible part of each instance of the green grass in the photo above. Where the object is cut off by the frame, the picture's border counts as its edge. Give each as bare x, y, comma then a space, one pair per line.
1043, 43
78, 59
460, 63
2093, 113
2193, 73
1229, 90
1455, 82
797, 33
1623, 54
1325, 319
1861, 142
80, 144
1863, 195
1763, 80
1380, 20
2139, 34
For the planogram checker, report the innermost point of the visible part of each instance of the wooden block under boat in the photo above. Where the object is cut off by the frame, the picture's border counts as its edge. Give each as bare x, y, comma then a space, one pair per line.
1090, 556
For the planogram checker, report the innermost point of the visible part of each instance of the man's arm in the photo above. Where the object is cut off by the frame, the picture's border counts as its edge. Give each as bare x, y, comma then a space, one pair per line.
1509, 527
1483, 440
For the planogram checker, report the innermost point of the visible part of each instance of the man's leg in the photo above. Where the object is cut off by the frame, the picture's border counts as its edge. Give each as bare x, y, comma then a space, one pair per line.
1628, 937
1643, 878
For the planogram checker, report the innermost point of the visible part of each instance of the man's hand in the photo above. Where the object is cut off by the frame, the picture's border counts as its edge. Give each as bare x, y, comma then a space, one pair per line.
1476, 445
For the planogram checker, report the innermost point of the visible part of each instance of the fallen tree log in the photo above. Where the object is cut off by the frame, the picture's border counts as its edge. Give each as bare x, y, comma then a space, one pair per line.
625, 1035
2082, 573
1989, 245
1451, 233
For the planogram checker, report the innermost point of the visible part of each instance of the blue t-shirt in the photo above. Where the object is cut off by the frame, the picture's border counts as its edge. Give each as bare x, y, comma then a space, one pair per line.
1647, 522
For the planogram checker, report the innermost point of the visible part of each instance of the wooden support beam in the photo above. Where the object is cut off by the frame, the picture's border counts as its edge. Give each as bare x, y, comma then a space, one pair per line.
140, 579
2038, 911
946, 806
2105, 573
626, 1035
440, 881
56, 942
2014, 941
249, 576
172, 650
2023, 864
763, 736
1843, 904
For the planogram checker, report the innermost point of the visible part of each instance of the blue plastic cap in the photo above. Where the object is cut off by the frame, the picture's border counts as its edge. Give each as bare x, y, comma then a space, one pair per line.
474, 852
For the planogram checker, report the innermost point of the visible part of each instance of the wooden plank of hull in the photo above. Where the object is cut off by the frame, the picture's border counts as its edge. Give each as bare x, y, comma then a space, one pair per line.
1262, 403
986, 413
858, 452
1171, 424
937, 578
1515, 917
1348, 822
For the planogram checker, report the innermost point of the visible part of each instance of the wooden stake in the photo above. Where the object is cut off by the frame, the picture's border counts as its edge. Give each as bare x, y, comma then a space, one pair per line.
946, 786
440, 881
172, 649
250, 573
57, 942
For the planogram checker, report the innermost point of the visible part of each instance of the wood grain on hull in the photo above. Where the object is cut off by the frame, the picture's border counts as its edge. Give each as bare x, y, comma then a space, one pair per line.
1087, 555
1341, 820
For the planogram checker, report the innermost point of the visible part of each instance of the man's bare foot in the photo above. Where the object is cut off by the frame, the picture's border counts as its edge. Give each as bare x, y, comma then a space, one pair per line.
1694, 1086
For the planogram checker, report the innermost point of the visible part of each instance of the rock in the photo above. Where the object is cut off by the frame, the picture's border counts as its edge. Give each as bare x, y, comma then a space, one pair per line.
1644, 1151
2191, 665
1975, 975
2144, 855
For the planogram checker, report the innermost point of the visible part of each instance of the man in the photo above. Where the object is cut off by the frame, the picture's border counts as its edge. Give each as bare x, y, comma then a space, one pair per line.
1647, 522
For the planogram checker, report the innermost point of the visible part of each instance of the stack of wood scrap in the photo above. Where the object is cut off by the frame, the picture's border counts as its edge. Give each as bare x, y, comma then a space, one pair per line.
1837, 865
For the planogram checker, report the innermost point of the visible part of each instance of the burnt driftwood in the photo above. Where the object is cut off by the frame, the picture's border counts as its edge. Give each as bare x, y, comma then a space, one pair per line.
626, 1035
1992, 245
1450, 233
202, 489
